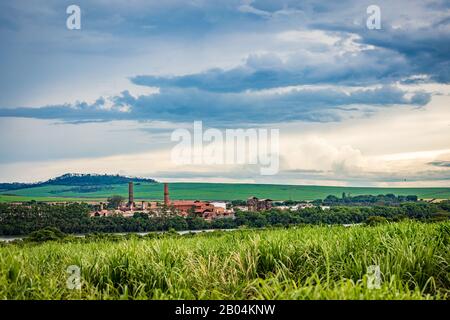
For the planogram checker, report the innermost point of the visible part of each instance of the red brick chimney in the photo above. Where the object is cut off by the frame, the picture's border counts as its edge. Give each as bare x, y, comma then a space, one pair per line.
166, 194
130, 193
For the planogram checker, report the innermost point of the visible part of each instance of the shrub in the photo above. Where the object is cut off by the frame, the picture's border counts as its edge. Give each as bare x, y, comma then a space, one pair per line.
46, 234
375, 220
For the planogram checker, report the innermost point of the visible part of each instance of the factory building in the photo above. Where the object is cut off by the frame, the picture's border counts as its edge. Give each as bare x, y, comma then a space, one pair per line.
205, 209
127, 209
184, 208
255, 204
192, 206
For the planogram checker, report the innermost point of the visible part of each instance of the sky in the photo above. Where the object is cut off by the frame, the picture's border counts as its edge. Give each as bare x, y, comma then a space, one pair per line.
354, 106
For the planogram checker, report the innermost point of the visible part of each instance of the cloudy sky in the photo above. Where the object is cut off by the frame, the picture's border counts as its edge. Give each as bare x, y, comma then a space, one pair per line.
354, 106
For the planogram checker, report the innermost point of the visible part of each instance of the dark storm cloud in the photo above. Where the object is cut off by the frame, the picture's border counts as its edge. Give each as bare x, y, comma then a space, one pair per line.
112, 28
269, 71
445, 164
320, 105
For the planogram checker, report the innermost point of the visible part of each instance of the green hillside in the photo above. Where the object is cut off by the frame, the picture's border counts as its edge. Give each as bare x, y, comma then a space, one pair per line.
208, 191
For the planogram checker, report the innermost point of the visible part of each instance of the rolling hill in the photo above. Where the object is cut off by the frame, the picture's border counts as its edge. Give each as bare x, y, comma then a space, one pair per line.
77, 187
75, 179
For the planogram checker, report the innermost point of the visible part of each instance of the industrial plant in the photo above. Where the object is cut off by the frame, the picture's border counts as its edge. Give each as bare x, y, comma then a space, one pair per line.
205, 209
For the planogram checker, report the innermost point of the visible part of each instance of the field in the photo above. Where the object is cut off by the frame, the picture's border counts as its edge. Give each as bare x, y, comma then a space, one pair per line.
11, 198
210, 191
310, 262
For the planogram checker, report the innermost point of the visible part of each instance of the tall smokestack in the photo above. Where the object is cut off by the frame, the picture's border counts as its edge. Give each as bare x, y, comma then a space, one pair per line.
130, 193
166, 194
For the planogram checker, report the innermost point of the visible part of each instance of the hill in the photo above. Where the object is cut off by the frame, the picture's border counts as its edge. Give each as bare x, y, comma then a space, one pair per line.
75, 179
206, 191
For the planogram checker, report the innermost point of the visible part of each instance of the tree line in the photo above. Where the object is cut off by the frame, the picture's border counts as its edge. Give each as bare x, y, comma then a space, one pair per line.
74, 218
360, 200
381, 199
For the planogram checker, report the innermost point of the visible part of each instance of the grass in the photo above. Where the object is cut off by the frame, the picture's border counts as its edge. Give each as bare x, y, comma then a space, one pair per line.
214, 191
309, 262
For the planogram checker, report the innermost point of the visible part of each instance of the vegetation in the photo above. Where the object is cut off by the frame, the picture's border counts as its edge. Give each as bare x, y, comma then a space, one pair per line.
74, 218
46, 234
93, 179
361, 200
310, 262
115, 201
74, 179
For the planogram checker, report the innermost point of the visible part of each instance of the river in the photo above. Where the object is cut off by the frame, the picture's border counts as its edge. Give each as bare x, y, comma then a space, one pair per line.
12, 238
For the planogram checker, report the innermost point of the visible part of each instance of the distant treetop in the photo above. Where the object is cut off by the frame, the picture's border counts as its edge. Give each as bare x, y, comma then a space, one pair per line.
77, 179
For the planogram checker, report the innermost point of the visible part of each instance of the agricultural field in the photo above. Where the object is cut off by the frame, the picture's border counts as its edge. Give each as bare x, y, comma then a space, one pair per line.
208, 191
309, 262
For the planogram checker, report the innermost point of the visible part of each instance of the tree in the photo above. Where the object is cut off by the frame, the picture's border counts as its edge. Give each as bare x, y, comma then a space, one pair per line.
46, 234
140, 215
331, 199
196, 223
238, 203
374, 220
191, 211
115, 201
